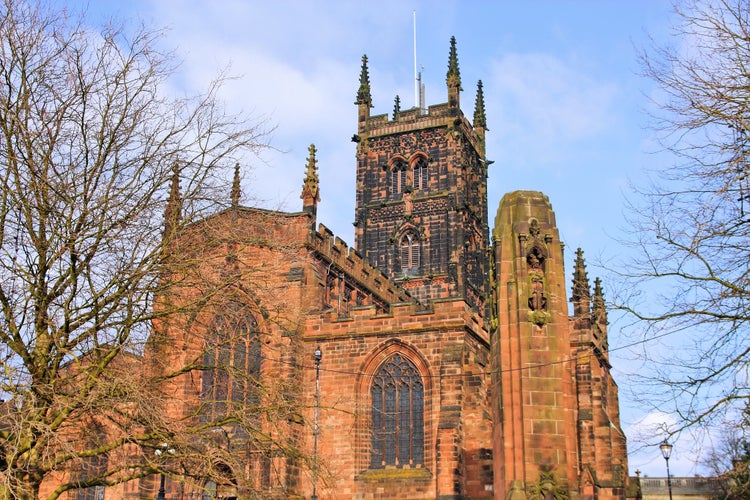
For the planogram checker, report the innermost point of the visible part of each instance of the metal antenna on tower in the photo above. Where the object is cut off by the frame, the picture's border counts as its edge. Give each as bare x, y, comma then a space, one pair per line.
416, 76
422, 106
418, 85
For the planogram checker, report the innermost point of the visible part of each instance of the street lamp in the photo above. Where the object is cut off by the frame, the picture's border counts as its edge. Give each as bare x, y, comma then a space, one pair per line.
163, 448
666, 451
317, 356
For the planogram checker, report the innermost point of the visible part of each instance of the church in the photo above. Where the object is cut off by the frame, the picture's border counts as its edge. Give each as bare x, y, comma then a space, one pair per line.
447, 364
436, 357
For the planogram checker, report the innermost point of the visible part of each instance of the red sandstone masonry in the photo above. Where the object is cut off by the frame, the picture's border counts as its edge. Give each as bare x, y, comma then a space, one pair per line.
334, 249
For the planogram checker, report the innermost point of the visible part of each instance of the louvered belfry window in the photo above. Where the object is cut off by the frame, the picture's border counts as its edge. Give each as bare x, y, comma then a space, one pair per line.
421, 175
397, 415
398, 177
410, 254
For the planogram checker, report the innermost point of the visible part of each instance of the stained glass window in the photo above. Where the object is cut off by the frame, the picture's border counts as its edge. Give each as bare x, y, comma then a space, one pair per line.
232, 360
397, 415
90, 468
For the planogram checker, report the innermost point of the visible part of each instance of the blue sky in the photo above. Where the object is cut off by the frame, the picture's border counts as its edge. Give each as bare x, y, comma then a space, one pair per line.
565, 106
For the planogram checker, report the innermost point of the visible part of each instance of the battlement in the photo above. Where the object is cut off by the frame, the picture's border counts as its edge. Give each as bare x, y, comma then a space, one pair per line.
439, 115
404, 318
413, 115
348, 260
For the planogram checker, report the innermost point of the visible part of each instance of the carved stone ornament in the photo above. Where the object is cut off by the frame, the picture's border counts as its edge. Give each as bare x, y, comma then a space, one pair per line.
537, 300
547, 487
534, 228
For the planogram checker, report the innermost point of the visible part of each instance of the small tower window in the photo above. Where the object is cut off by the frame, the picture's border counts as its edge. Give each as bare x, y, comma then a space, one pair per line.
410, 255
421, 175
398, 177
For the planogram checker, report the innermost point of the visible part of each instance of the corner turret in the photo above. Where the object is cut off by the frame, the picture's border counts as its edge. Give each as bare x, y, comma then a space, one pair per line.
173, 210
480, 119
480, 116
581, 293
599, 316
453, 77
236, 191
364, 97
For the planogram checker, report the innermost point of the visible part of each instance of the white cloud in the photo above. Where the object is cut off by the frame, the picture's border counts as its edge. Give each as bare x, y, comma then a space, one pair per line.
306, 90
554, 103
651, 429
645, 435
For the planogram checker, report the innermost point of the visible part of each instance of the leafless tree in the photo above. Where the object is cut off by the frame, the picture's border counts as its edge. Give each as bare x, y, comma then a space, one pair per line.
729, 461
90, 150
689, 282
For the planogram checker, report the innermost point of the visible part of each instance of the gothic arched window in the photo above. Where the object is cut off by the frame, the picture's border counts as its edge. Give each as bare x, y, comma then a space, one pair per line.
421, 175
397, 415
232, 364
409, 253
398, 177
90, 468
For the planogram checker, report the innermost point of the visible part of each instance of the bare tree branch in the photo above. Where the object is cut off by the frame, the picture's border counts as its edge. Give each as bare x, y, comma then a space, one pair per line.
90, 153
691, 226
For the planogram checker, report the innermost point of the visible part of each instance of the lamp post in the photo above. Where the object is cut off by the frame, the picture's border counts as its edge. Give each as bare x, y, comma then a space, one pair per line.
666, 451
162, 490
317, 356
163, 448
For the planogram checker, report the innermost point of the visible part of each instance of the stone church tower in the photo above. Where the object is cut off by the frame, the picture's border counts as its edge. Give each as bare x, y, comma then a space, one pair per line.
421, 214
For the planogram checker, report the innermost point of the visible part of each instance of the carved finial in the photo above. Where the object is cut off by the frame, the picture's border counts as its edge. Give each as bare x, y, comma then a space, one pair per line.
173, 210
480, 118
600, 316
310, 188
364, 100
581, 295
396, 107
363, 94
599, 307
236, 191
453, 78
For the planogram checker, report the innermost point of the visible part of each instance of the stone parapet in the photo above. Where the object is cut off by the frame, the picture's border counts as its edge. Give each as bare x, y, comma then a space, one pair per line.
696, 488
333, 249
404, 318
439, 115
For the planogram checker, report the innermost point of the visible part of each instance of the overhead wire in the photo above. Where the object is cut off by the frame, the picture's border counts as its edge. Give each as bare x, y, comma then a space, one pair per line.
457, 375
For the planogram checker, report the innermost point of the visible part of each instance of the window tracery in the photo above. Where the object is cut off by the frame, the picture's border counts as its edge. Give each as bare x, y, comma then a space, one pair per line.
397, 415
232, 361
